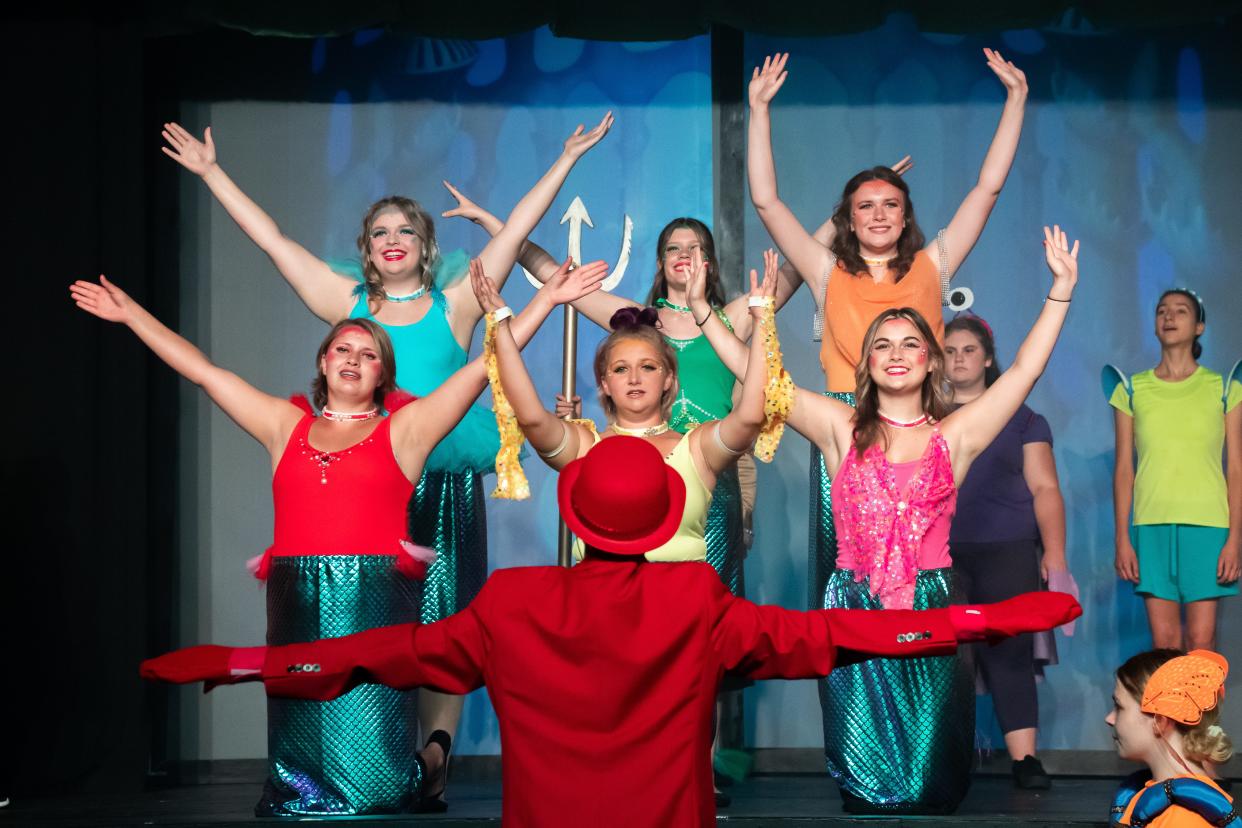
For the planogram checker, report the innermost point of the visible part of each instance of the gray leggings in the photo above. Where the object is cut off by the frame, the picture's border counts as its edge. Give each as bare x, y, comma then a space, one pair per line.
988, 572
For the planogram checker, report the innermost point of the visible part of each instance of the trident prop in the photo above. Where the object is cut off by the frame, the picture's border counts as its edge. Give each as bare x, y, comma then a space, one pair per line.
577, 215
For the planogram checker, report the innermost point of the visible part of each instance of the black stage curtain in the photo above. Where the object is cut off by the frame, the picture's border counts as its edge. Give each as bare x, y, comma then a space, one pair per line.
649, 20
88, 496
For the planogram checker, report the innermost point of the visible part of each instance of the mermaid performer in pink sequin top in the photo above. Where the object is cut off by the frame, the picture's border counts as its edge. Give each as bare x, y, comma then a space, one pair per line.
898, 739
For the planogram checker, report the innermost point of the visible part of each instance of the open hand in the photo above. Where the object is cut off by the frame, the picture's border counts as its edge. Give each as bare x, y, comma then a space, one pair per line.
1062, 261
766, 288
580, 142
569, 284
484, 288
196, 156
465, 208
696, 284
767, 80
1010, 75
105, 300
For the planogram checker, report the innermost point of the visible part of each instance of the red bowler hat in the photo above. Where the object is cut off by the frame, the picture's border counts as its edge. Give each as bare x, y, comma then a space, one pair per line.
622, 497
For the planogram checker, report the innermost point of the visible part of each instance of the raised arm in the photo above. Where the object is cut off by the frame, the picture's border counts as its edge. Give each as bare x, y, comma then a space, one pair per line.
326, 293
598, 306
971, 428
809, 257
736, 432
818, 418
266, 418
501, 252
419, 426
963, 231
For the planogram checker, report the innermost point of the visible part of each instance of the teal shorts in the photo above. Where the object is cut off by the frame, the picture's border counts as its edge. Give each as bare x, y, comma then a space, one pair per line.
1177, 562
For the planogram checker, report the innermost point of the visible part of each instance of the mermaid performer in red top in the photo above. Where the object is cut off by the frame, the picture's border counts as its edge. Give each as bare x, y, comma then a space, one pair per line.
340, 563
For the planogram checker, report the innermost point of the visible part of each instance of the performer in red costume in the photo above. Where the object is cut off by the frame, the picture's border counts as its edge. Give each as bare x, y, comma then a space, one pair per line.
604, 676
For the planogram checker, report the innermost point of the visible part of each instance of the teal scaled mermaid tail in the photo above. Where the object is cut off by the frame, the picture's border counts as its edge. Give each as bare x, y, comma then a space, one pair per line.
356, 754
898, 733
446, 513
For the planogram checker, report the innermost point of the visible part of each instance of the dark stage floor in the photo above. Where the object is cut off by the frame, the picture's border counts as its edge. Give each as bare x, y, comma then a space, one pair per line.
774, 800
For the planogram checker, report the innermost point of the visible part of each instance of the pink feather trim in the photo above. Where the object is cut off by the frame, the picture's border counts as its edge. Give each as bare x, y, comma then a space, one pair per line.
396, 399
413, 560
261, 565
302, 402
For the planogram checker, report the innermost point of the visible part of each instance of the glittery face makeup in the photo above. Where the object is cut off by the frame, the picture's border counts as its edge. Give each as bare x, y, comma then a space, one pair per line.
897, 350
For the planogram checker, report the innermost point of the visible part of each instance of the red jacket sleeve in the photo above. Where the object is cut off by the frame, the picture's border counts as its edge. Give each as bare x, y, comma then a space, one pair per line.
449, 656
764, 642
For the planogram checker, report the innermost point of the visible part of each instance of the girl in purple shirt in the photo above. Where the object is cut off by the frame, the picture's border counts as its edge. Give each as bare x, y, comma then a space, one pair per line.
1008, 507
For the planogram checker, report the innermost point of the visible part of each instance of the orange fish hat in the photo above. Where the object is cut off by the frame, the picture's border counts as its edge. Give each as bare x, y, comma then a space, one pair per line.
1184, 687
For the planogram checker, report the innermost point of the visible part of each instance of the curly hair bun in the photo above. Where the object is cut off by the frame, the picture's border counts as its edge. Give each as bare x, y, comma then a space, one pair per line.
631, 317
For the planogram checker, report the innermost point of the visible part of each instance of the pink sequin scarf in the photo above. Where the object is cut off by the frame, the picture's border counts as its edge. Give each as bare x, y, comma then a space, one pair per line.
883, 528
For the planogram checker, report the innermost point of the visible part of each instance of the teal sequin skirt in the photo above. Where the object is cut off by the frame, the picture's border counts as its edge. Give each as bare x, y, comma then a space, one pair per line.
355, 754
898, 733
446, 514
726, 547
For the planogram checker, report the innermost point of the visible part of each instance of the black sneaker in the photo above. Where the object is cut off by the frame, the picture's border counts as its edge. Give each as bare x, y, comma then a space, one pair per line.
1029, 774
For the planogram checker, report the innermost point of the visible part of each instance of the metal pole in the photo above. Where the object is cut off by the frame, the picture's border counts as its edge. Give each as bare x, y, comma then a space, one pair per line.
569, 348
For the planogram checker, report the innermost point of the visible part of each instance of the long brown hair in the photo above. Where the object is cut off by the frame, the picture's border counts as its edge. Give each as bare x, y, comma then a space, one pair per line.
424, 228
707, 244
640, 324
383, 345
867, 426
1205, 740
845, 244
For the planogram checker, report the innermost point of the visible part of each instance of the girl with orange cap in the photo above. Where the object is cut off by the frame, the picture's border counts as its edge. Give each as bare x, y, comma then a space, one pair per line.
1166, 713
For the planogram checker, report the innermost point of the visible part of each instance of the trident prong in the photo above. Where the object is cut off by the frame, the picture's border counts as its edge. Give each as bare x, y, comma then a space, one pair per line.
577, 215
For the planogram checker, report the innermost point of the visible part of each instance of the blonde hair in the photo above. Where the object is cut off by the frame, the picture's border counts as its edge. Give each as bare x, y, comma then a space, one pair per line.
1206, 740
424, 228
635, 324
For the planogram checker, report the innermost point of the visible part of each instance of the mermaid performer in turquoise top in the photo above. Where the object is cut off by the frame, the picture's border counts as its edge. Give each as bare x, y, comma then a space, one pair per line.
407, 287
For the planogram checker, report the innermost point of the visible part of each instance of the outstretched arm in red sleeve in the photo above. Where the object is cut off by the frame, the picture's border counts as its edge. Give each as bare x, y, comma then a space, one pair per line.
764, 642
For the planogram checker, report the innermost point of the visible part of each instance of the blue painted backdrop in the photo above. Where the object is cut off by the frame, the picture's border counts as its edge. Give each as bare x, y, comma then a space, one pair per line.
1128, 143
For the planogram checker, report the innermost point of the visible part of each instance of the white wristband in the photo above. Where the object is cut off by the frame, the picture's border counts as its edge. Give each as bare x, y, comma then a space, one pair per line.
760, 301
501, 314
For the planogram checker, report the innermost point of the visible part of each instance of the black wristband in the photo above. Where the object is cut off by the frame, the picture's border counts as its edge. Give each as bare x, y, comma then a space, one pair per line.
705, 318
1055, 299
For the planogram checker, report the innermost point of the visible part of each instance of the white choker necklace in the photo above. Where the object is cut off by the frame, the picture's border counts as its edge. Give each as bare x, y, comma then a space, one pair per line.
902, 423
649, 431
409, 297
349, 416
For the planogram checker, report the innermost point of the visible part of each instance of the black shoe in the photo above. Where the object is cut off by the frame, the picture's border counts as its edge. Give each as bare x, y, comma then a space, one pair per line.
723, 800
1029, 774
432, 799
